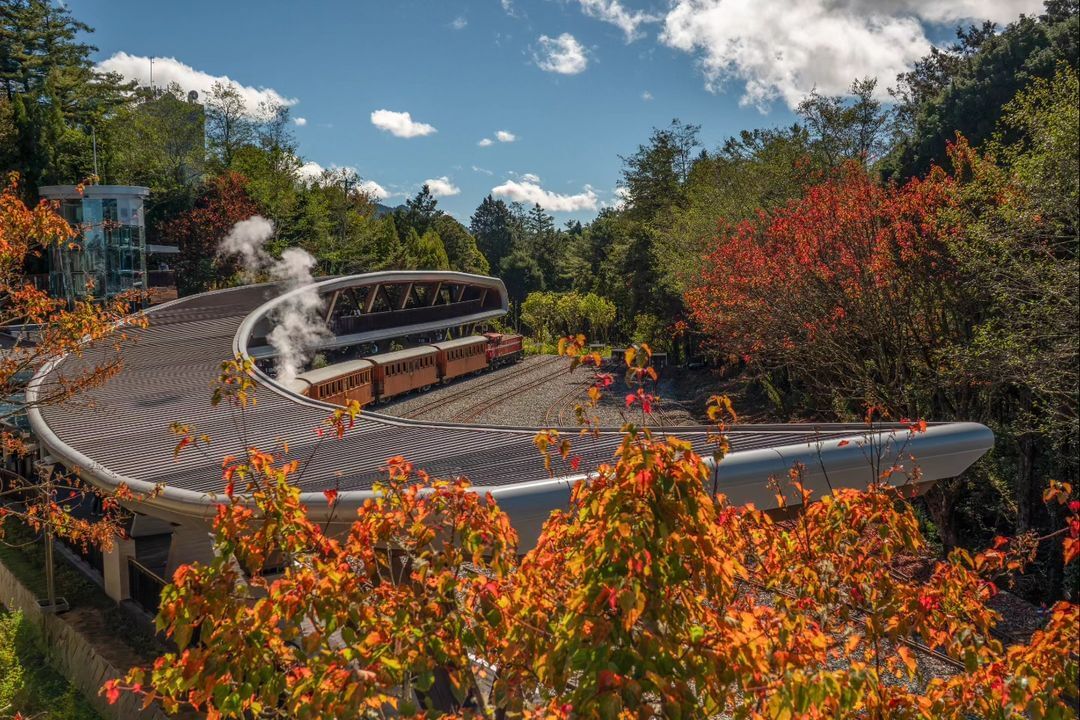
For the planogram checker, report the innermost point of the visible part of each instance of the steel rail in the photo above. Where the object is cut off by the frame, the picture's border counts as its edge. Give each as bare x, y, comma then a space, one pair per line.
471, 389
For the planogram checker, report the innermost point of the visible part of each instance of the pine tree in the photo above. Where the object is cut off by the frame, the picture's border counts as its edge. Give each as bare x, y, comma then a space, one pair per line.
493, 226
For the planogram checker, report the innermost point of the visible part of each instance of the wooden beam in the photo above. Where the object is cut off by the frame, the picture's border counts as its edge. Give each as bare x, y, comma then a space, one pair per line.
371, 298
405, 296
331, 305
435, 293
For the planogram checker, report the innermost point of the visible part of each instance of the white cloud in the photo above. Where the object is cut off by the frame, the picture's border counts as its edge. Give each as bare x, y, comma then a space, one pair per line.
442, 187
486, 142
531, 192
646, 96
459, 23
312, 171
400, 124
619, 197
563, 55
612, 11
481, 170
300, 121
170, 70
935, 11
374, 190
779, 49
505, 136
531, 178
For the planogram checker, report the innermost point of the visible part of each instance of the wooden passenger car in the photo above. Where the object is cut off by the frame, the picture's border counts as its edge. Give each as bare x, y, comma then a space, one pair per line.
404, 370
339, 383
504, 348
462, 356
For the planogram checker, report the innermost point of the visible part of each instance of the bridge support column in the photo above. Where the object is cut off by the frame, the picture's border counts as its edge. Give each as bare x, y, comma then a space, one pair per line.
190, 543
115, 568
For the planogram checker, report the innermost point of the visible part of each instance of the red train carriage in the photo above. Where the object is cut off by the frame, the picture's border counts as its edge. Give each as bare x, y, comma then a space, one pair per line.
462, 356
503, 349
404, 371
339, 383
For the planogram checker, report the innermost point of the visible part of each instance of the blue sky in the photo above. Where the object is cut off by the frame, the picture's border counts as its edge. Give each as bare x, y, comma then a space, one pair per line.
576, 82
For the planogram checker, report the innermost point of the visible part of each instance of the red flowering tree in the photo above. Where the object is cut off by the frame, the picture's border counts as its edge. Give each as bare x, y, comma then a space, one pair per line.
222, 202
850, 291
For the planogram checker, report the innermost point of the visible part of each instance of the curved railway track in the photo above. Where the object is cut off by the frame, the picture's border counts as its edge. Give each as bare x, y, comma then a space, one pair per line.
472, 388
553, 415
472, 412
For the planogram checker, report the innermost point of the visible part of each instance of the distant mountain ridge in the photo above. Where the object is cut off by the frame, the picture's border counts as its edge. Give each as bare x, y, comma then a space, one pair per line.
383, 210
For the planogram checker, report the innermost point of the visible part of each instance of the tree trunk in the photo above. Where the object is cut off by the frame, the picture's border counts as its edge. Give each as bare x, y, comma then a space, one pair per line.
940, 500
1028, 495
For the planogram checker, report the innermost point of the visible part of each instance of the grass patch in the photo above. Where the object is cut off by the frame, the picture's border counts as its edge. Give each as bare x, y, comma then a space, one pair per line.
540, 347
28, 684
24, 555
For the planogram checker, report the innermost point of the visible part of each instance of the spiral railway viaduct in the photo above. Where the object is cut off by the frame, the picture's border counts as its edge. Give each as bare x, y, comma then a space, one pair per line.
119, 432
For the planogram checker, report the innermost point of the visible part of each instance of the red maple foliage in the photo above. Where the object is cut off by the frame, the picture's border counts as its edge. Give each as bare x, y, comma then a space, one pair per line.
855, 269
224, 201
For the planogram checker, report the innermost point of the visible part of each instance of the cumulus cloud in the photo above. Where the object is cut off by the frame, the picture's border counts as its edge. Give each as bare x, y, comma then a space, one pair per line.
312, 171
563, 55
400, 124
646, 96
459, 23
503, 136
531, 178
782, 50
1000, 11
300, 121
374, 190
170, 70
531, 192
442, 187
612, 11
619, 197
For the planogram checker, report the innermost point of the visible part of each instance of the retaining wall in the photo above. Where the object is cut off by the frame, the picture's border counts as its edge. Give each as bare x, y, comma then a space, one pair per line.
74, 655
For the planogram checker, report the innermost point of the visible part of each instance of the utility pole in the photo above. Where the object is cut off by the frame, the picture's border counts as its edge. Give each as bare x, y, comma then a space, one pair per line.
93, 135
345, 205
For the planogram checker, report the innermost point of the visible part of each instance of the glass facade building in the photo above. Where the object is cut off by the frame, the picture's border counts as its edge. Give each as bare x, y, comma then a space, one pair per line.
109, 256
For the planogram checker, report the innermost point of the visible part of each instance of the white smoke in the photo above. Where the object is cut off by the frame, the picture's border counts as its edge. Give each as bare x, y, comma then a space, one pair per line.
246, 240
298, 322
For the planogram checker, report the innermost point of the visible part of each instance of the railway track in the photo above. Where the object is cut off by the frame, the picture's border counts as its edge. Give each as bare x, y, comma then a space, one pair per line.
553, 416
472, 412
472, 388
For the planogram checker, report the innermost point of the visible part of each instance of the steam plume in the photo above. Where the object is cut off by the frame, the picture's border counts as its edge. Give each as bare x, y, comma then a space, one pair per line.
298, 324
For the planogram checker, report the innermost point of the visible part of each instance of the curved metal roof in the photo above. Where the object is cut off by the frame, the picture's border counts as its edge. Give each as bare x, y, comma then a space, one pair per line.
119, 432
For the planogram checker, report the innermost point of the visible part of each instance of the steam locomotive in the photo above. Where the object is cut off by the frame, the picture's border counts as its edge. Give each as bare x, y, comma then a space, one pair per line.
380, 377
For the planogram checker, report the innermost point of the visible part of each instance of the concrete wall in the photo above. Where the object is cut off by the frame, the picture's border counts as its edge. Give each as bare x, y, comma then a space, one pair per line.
74, 655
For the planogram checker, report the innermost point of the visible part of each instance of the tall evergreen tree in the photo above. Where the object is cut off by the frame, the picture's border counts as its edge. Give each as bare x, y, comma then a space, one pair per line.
493, 226
653, 176
461, 250
420, 211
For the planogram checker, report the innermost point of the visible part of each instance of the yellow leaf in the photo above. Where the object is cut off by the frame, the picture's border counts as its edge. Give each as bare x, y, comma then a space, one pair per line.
908, 657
